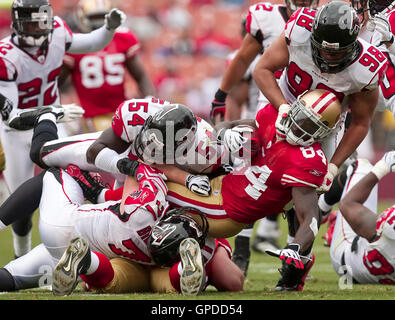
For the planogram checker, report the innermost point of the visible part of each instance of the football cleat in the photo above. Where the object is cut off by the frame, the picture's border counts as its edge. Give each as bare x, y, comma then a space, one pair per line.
26, 119
261, 244
331, 227
75, 261
91, 185
193, 276
292, 278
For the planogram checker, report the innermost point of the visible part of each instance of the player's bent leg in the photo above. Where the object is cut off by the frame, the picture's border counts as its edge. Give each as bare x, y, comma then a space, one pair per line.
225, 275
128, 277
160, 281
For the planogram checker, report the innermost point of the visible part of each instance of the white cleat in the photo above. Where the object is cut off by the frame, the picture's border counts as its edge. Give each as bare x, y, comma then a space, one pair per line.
26, 119
193, 277
75, 261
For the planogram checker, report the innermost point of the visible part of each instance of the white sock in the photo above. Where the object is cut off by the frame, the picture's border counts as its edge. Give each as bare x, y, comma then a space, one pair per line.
47, 116
22, 244
268, 229
246, 233
323, 205
94, 264
290, 239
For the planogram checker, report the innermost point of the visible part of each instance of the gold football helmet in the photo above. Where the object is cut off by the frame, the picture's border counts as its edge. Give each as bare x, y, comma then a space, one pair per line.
90, 14
312, 117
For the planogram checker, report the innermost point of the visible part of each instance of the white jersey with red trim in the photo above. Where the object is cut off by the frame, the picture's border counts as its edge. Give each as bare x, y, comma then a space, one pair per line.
266, 21
35, 76
302, 74
130, 117
374, 262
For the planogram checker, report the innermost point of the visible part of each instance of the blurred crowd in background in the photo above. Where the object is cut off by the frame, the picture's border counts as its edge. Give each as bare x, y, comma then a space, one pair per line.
184, 48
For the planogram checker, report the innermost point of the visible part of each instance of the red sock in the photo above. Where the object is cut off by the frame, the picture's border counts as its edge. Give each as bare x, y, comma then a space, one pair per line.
175, 277
102, 276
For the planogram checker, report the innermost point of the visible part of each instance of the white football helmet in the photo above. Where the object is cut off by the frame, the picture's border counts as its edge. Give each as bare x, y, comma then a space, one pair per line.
90, 14
294, 5
312, 117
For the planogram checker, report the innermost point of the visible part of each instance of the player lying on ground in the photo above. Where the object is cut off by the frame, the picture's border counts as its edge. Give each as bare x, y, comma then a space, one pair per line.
107, 232
363, 242
281, 171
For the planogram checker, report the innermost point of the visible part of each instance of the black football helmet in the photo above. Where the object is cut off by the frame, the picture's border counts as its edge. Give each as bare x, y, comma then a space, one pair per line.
376, 6
334, 37
167, 234
32, 21
169, 133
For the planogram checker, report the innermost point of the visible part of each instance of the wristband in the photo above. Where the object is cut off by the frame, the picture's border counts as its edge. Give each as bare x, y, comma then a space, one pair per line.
380, 169
220, 95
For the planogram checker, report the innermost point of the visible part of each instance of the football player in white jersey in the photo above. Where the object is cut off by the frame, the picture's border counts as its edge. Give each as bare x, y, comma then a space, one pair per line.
105, 233
30, 62
136, 123
363, 242
321, 49
264, 23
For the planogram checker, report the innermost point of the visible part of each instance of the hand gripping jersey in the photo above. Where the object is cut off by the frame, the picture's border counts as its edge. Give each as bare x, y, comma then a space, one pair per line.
374, 262
265, 187
302, 74
99, 77
35, 77
130, 117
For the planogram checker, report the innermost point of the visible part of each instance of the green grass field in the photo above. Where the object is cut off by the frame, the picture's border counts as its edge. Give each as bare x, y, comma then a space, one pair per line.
262, 277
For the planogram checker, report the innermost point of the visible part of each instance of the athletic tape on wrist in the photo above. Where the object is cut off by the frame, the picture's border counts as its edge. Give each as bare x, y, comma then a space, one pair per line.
380, 169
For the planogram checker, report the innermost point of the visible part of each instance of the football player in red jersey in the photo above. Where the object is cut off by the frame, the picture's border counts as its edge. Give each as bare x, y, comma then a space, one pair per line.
30, 62
99, 77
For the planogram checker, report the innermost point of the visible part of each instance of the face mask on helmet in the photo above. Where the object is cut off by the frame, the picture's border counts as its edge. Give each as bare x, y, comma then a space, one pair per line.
90, 14
294, 5
312, 117
167, 136
167, 234
334, 35
377, 6
32, 24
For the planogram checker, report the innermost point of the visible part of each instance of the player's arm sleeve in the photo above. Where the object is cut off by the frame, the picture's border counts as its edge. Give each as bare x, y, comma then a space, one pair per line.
91, 42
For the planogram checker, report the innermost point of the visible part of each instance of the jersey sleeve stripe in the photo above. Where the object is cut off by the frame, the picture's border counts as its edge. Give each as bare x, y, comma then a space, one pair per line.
290, 179
133, 50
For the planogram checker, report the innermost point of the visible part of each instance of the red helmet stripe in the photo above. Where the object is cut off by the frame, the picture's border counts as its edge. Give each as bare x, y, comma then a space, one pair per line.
323, 102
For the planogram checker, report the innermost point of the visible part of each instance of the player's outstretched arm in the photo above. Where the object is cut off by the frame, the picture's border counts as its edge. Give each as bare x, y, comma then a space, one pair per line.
360, 218
99, 38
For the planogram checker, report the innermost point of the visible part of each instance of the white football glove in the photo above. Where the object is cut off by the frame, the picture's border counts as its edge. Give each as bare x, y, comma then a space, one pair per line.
282, 113
385, 165
233, 138
114, 19
290, 254
328, 179
71, 112
199, 185
383, 27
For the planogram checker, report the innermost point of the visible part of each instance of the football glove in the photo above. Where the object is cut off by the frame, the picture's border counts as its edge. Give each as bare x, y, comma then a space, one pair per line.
114, 19
199, 185
383, 27
282, 114
328, 179
290, 254
385, 165
233, 138
218, 106
70, 112
127, 166
5, 107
